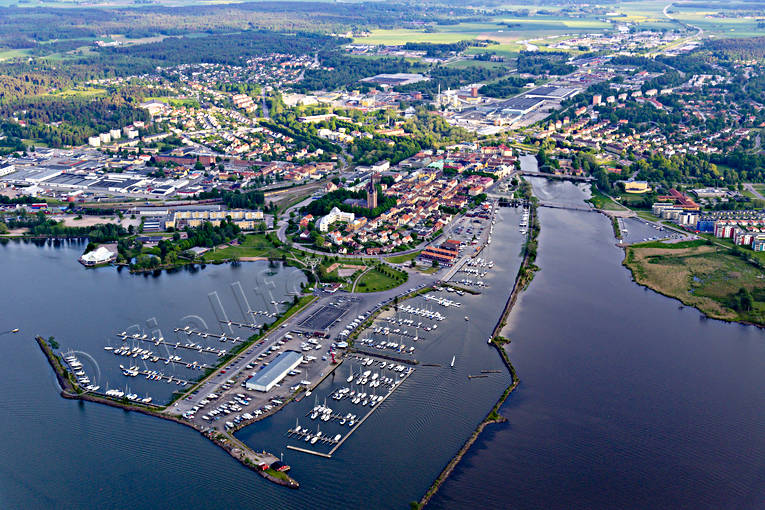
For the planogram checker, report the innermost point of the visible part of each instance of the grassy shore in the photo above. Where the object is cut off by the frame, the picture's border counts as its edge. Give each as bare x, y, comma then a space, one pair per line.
601, 201
722, 283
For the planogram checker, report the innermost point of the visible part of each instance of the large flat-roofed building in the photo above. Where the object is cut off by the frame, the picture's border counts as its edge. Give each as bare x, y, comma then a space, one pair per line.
636, 187
274, 372
395, 79
548, 92
521, 104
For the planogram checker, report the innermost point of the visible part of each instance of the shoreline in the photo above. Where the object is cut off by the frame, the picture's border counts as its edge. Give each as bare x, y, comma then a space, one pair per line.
705, 314
522, 280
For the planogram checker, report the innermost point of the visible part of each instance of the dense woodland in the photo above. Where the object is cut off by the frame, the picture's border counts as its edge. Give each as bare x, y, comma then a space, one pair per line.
505, 87
343, 71
544, 62
23, 27
59, 122
248, 199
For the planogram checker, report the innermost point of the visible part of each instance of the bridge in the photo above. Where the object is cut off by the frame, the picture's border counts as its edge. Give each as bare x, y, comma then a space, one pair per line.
570, 207
579, 178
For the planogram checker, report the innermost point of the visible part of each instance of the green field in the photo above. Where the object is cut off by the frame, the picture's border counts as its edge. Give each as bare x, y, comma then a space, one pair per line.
254, 245
601, 201
498, 29
711, 278
648, 216
374, 280
8, 54
400, 259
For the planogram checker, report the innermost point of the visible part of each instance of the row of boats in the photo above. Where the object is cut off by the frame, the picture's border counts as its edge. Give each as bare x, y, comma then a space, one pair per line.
152, 375
524, 224
471, 283
421, 312
204, 334
394, 346
480, 262
157, 341
313, 438
132, 397
474, 271
79, 373
147, 355
446, 303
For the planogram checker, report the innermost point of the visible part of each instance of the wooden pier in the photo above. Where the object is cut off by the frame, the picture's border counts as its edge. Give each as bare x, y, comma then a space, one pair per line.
162, 341
204, 334
356, 426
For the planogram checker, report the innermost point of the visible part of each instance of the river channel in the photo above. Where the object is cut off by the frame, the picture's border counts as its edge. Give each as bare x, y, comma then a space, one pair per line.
626, 400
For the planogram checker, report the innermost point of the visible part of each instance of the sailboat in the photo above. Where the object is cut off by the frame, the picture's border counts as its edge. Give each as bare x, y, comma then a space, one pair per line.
350, 376
453, 358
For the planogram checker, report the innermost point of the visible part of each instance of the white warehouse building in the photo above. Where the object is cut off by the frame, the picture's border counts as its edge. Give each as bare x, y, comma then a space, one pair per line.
274, 372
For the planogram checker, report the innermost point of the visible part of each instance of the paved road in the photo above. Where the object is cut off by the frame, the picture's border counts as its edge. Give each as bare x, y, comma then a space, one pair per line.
362, 303
753, 191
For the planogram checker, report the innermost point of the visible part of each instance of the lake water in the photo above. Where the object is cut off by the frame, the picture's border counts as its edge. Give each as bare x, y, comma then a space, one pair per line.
65, 454
626, 399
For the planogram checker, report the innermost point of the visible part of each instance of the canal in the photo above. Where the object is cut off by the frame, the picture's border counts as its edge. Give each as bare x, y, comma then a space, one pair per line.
627, 400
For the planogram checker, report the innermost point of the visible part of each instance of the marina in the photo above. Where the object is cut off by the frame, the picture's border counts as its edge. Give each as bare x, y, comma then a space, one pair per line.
160, 341
320, 411
246, 426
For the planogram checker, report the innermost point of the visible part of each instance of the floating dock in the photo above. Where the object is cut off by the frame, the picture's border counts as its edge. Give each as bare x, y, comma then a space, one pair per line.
356, 426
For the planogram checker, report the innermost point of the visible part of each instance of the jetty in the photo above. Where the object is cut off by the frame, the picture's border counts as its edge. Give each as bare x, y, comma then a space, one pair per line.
259, 462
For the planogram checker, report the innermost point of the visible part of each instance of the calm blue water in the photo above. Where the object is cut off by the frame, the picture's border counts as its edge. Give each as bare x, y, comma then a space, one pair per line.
626, 400
65, 454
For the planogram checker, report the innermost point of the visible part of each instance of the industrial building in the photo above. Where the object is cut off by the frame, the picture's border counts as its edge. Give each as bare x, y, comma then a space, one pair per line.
395, 79
274, 372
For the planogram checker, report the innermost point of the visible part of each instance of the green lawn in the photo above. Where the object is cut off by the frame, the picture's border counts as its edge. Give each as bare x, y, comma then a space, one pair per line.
400, 259
254, 245
8, 54
375, 281
601, 201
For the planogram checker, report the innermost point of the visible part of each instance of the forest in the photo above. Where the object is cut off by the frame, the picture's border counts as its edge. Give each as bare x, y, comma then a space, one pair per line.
248, 199
505, 87
436, 50
61, 122
366, 151
544, 62
344, 71
695, 168
45, 28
